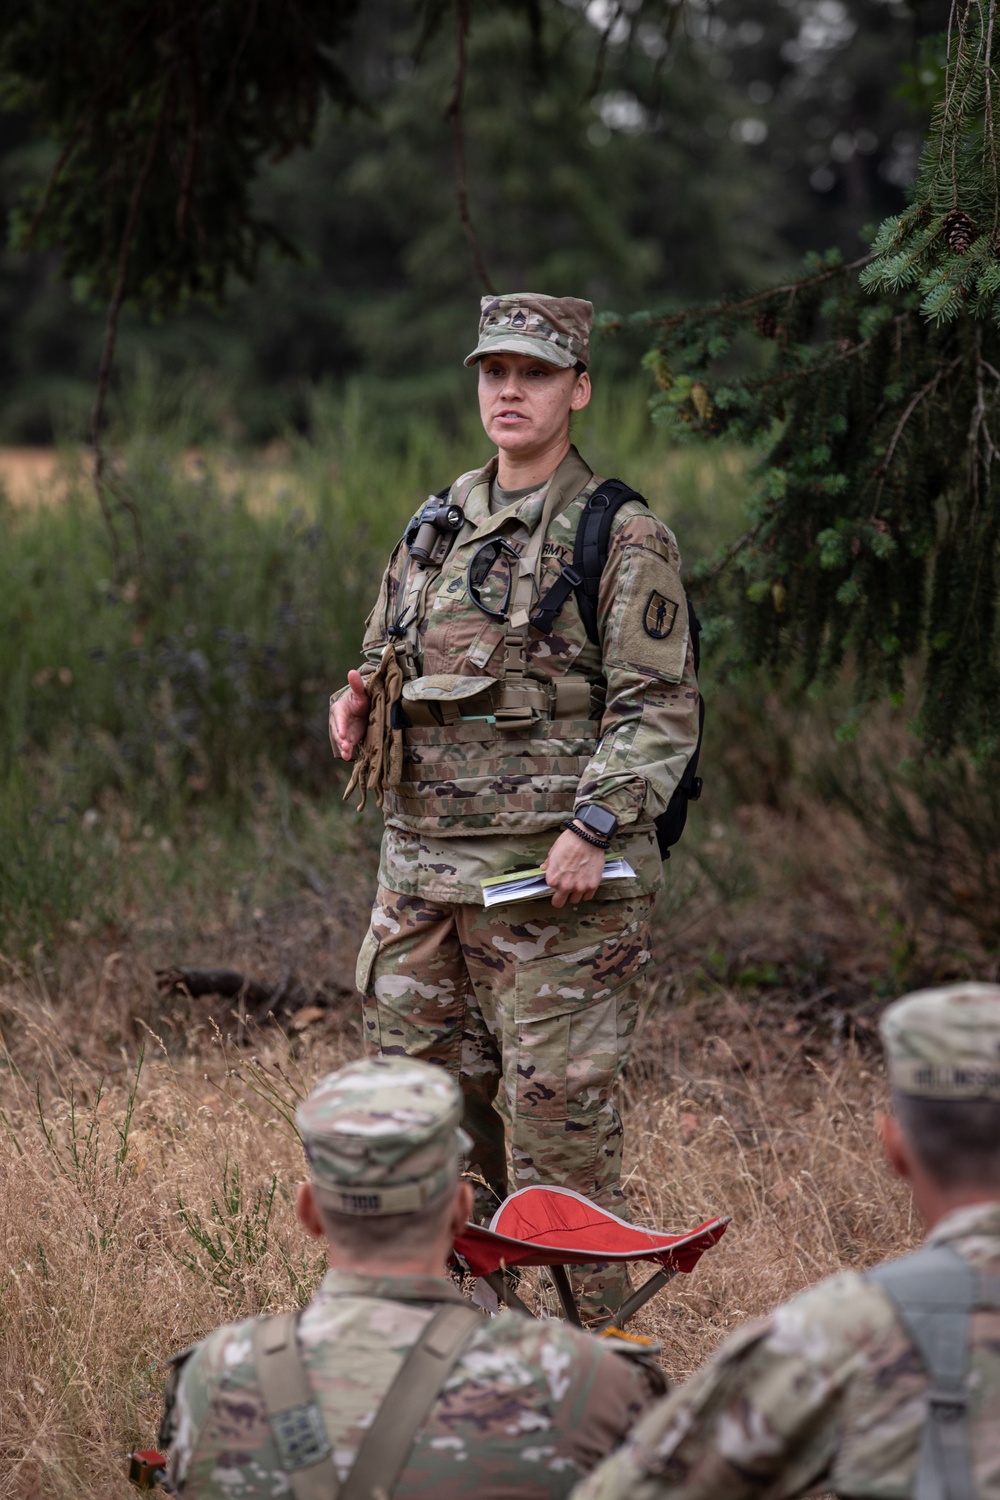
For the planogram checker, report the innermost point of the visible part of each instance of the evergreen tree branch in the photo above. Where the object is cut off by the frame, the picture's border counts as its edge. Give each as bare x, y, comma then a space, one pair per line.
990, 134
743, 543
673, 321
874, 528
910, 408
873, 535
104, 90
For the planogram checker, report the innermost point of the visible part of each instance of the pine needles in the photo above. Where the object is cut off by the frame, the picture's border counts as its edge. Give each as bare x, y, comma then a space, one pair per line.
872, 532
874, 390
947, 243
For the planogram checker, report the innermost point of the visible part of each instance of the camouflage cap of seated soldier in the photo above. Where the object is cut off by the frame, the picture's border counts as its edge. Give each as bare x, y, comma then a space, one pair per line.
556, 329
382, 1136
945, 1043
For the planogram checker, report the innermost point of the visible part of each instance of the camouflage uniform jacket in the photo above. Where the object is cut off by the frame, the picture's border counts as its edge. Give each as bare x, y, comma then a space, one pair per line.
528, 1409
629, 762
829, 1393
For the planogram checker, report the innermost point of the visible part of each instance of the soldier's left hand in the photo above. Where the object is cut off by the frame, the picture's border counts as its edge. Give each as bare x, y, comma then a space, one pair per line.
573, 869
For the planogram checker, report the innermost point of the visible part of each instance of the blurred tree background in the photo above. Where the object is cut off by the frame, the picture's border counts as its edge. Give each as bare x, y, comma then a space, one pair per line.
627, 153
655, 157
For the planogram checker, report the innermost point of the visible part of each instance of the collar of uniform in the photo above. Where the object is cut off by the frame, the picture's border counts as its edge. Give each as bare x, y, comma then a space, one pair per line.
971, 1219
572, 475
390, 1288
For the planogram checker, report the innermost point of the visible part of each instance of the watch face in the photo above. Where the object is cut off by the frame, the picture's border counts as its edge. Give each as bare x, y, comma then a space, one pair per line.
598, 820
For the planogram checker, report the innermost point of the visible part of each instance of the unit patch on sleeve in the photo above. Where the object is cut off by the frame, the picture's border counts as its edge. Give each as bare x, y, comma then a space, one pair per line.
648, 621
661, 612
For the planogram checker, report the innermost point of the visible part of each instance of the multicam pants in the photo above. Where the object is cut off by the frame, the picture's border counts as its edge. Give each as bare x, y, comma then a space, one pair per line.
541, 1001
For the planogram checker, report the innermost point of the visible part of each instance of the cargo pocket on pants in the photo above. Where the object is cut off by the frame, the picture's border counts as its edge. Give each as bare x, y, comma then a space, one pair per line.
570, 1029
370, 1022
367, 954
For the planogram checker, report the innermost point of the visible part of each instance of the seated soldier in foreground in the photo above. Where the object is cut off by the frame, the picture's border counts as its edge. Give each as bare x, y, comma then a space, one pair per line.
341, 1394
886, 1384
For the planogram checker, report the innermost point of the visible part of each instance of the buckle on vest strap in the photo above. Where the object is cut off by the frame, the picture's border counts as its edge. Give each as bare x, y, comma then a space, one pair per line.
947, 1406
300, 1436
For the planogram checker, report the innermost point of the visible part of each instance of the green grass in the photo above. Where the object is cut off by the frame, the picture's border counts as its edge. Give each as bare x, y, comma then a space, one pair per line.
200, 673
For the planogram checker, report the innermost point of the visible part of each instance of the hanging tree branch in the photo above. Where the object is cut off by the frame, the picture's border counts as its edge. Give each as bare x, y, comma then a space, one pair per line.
162, 111
602, 50
105, 88
194, 128
454, 113
111, 326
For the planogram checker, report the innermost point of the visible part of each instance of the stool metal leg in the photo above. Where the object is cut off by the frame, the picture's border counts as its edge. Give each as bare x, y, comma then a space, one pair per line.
565, 1291
638, 1299
507, 1293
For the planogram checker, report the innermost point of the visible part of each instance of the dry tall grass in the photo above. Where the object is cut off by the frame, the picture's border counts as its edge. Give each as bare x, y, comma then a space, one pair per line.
137, 1213
141, 1207
140, 1211
729, 1112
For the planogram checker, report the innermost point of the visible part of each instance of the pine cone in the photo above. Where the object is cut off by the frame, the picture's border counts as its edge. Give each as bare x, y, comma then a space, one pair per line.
662, 373
701, 400
766, 323
959, 231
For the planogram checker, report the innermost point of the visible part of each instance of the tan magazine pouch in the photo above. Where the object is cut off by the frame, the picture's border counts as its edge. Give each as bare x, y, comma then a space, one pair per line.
378, 761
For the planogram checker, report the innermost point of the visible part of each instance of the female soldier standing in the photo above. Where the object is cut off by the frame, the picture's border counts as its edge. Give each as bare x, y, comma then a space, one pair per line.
498, 735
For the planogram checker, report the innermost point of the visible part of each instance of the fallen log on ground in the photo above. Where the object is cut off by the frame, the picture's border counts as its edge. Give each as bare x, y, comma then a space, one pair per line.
259, 998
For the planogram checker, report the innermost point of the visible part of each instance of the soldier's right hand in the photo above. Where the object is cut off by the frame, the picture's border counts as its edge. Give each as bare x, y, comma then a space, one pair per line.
349, 716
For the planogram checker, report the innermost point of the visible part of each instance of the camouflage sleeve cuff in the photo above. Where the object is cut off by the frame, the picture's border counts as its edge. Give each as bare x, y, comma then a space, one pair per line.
623, 796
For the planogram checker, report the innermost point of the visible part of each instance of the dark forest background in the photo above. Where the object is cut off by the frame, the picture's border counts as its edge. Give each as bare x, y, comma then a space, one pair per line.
673, 162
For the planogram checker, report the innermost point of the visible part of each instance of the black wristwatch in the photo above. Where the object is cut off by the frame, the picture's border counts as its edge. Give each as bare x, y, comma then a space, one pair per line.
597, 820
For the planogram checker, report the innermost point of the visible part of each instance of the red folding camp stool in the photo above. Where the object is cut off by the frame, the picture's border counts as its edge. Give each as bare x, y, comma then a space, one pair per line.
556, 1227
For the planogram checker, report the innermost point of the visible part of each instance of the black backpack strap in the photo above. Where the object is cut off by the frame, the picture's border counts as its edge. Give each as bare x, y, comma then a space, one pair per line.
670, 823
590, 553
935, 1292
554, 598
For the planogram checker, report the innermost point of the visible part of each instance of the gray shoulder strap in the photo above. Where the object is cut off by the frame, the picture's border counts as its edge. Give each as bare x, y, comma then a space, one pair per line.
409, 1401
934, 1292
297, 1423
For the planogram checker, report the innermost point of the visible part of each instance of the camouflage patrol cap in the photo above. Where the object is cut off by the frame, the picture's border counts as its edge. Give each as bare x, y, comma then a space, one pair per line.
382, 1136
945, 1043
556, 329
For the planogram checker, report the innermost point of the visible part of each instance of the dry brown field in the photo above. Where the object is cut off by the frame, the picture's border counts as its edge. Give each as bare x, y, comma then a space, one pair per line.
34, 478
147, 1161
147, 1158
